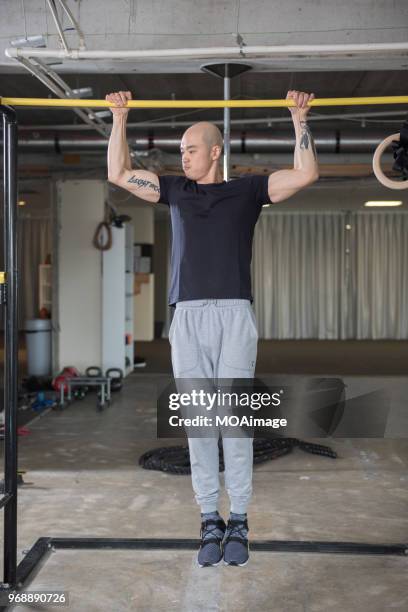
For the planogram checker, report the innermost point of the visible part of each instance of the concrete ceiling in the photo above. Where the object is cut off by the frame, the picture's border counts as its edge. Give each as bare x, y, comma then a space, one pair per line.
174, 24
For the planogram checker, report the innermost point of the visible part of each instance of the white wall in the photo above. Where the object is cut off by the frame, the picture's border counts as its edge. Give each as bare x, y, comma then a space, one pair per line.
113, 302
80, 208
143, 313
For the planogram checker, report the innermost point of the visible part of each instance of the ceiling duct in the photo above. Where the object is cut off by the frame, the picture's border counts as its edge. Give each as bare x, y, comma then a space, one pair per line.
276, 141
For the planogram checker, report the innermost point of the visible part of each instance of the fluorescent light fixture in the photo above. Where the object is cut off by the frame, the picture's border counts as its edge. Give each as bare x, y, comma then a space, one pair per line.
383, 203
83, 92
265, 205
30, 41
102, 114
21, 202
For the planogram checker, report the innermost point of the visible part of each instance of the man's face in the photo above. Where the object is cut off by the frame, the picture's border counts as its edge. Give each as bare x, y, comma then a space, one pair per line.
195, 155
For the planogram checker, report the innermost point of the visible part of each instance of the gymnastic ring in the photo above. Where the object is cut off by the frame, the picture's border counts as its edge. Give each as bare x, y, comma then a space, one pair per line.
377, 164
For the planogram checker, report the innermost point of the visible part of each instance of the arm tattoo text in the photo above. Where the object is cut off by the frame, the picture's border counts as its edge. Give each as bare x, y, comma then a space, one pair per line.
143, 183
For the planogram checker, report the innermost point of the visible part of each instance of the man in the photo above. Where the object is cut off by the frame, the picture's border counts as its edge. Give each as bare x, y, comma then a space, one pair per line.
213, 334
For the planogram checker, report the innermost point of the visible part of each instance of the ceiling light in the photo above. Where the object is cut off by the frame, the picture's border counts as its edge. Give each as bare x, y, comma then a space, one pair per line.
29, 41
21, 202
83, 92
102, 114
383, 203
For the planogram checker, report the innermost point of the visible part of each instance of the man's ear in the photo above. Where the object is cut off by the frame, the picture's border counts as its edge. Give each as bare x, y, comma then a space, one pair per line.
216, 152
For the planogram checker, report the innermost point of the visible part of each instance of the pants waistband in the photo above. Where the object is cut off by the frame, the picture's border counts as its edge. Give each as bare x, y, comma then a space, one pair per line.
215, 302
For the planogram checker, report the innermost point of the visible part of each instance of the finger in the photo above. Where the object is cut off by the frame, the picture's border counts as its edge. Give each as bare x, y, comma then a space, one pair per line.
118, 100
290, 97
128, 95
294, 97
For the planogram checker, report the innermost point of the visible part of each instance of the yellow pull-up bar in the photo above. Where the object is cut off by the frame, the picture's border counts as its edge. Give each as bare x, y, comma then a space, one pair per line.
69, 103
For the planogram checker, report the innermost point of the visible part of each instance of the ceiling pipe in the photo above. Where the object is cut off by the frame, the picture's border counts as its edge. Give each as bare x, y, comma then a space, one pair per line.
60, 31
240, 52
76, 25
57, 85
329, 141
143, 125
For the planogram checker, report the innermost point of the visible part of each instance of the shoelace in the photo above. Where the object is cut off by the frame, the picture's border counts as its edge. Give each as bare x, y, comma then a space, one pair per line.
210, 531
235, 528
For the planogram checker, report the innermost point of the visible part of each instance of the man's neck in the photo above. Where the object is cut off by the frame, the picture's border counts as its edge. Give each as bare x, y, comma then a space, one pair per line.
214, 176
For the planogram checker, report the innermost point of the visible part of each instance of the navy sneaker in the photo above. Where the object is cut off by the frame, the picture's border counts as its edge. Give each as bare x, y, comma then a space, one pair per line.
211, 533
235, 543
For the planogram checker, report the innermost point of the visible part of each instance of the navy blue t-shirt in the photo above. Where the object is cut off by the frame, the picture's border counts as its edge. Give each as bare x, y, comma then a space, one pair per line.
212, 231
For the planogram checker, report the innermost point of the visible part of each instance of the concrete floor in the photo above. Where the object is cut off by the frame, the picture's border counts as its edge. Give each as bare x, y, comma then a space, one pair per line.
83, 479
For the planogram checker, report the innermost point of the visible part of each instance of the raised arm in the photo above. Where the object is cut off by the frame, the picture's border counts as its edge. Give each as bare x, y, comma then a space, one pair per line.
141, 183
283, 184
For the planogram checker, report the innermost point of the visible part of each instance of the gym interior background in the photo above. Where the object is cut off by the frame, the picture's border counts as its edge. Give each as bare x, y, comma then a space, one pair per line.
329, 278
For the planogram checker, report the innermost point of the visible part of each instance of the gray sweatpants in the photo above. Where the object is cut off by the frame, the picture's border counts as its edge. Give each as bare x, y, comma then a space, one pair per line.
216, 339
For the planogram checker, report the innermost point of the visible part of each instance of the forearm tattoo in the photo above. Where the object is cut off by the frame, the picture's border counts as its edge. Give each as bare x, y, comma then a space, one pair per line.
306, 138
143, 183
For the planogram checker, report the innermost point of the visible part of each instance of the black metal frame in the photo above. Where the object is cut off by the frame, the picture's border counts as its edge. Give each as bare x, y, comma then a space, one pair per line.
17, 577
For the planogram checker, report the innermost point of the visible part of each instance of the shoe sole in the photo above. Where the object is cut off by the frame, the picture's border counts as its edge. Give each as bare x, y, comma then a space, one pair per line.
236, 564
209, 564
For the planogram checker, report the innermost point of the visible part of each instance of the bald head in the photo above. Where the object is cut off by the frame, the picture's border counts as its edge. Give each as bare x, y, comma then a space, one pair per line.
201, 148
206, 132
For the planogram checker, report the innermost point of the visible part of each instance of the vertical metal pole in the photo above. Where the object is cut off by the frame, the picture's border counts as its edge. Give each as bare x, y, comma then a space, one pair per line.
226, 72
10, 342
227, 126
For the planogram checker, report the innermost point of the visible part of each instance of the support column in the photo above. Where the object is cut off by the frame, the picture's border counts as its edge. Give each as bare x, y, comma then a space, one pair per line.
227, 126
10, 343
226, 72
